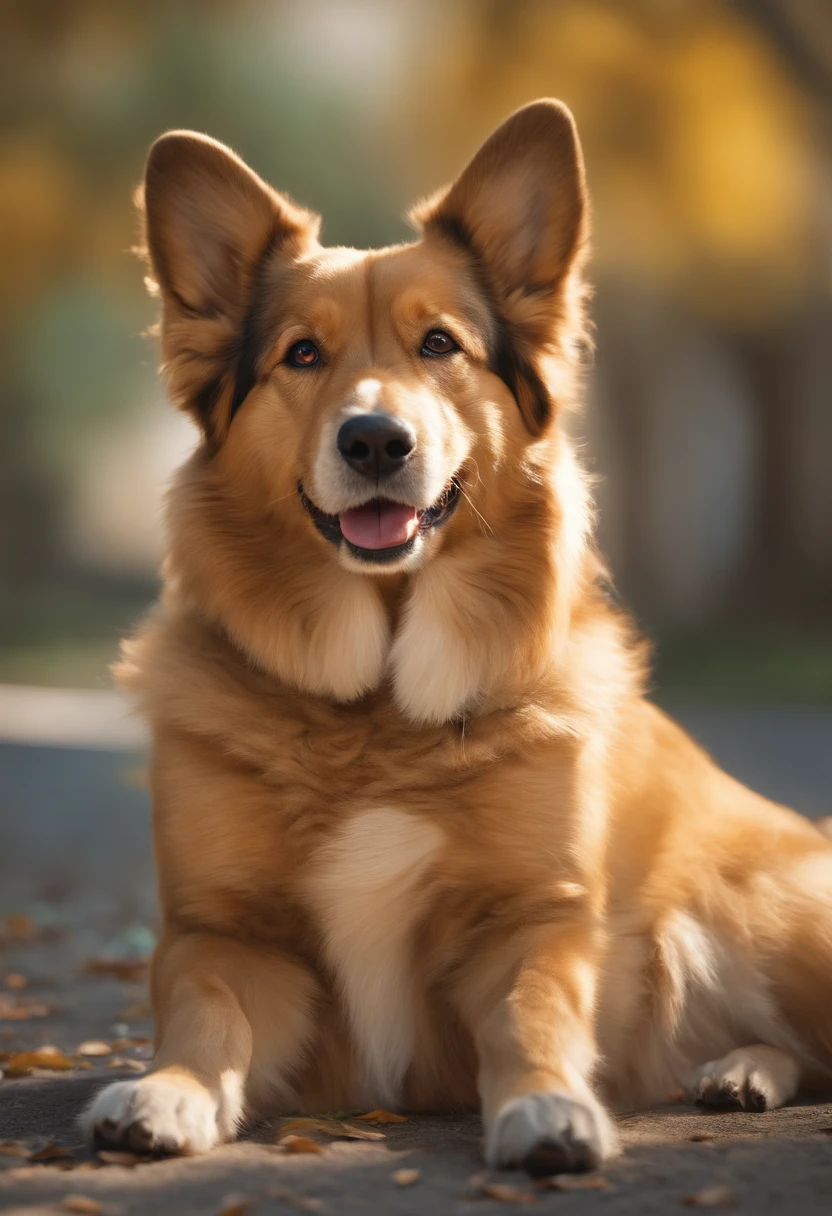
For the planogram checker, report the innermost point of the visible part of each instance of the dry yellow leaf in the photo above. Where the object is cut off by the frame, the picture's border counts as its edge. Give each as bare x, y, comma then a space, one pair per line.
94, 1047
83, 1204
127, 1062
19, 928
13, 1148
111, 1156
329, 1127
483, 1189
21, 1011
22, 1063
573, 1182
299, 1144
235, 1205
406, 1177
136, 1040
51, 1152
305, 1203
382, 1116
712, 1197
135, 1012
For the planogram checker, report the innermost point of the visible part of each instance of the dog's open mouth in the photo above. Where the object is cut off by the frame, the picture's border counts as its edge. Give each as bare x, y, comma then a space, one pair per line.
381, 530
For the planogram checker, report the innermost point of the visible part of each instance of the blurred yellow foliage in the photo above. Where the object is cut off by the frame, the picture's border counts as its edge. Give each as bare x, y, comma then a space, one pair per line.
696, 138
38, 219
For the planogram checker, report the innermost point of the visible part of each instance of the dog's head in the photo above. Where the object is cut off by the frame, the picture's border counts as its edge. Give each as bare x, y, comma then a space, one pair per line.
374, 409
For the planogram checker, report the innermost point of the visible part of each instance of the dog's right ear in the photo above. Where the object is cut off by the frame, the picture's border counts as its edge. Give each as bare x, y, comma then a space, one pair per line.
213, 229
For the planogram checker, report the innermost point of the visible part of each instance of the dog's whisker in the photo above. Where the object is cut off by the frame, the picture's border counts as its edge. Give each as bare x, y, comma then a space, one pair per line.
479, 514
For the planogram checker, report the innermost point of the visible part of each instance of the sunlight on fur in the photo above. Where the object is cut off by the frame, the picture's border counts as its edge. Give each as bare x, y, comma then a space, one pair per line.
422, 841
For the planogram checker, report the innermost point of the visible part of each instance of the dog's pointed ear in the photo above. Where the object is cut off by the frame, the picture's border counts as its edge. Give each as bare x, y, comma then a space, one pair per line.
213, 229
519, 209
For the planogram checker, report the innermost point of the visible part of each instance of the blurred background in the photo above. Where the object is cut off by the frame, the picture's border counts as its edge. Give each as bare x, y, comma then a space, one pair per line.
707, 127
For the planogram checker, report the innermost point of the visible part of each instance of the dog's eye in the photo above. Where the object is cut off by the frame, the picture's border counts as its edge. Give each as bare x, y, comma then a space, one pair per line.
303, 354
438, 343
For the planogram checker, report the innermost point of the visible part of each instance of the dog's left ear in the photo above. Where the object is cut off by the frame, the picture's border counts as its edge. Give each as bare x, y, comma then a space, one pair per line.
519, 210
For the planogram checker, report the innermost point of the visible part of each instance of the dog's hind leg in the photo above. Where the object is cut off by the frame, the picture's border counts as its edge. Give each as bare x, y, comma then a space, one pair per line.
790, 938
798, 961
752, 1078
221, 1006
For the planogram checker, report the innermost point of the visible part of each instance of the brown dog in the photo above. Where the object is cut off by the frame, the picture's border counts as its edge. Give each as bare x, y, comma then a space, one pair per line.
421, 840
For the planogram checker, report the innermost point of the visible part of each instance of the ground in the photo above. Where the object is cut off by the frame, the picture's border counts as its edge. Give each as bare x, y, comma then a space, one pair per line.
76, 922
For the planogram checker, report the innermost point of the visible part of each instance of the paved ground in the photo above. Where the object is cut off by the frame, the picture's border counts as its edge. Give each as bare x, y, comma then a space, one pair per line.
76, 892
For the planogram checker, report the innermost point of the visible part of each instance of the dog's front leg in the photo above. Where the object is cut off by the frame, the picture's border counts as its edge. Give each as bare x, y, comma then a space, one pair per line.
224, 1010
531, 1012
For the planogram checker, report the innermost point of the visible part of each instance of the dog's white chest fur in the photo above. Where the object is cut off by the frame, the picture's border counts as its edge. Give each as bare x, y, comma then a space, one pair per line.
367, 888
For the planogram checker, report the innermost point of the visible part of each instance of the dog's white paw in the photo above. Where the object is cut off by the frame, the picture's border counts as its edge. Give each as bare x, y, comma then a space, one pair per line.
551, 1133
154, 1114
750, 1078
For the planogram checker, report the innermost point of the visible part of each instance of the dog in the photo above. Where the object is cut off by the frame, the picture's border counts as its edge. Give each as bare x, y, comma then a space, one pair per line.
422, 841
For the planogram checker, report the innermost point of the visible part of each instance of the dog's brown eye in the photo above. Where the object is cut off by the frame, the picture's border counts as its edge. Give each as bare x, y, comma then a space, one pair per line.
303, 354
438, 343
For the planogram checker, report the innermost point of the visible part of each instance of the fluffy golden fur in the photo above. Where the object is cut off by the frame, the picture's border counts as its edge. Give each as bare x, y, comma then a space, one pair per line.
422, 842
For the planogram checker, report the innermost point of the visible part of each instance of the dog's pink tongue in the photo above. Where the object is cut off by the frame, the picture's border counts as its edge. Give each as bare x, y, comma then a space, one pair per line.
379, 524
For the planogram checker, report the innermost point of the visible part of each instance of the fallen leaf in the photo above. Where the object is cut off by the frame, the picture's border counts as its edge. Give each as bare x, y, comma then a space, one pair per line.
15, 981
406, 1177
136, 1040
299, 1144
483, 1188
82, 1203
126, 1062
94, 1047
136, 1012
712, 1197
677, 1095
573, 1182
51, 1152
329, 1127
121, 968
112, 1156
382, 1116
18, 928
13, 1148
304, 1202
21, 1011
23, 1063
235, 1205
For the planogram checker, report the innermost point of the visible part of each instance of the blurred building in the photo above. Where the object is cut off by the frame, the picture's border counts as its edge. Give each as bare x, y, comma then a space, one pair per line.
706, 126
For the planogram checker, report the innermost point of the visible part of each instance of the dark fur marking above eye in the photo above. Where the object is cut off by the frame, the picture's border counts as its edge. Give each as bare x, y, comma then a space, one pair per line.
520, 378
518, 375
250, 343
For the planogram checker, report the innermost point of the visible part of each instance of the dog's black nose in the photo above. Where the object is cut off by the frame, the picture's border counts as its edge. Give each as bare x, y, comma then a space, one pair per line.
376, 444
